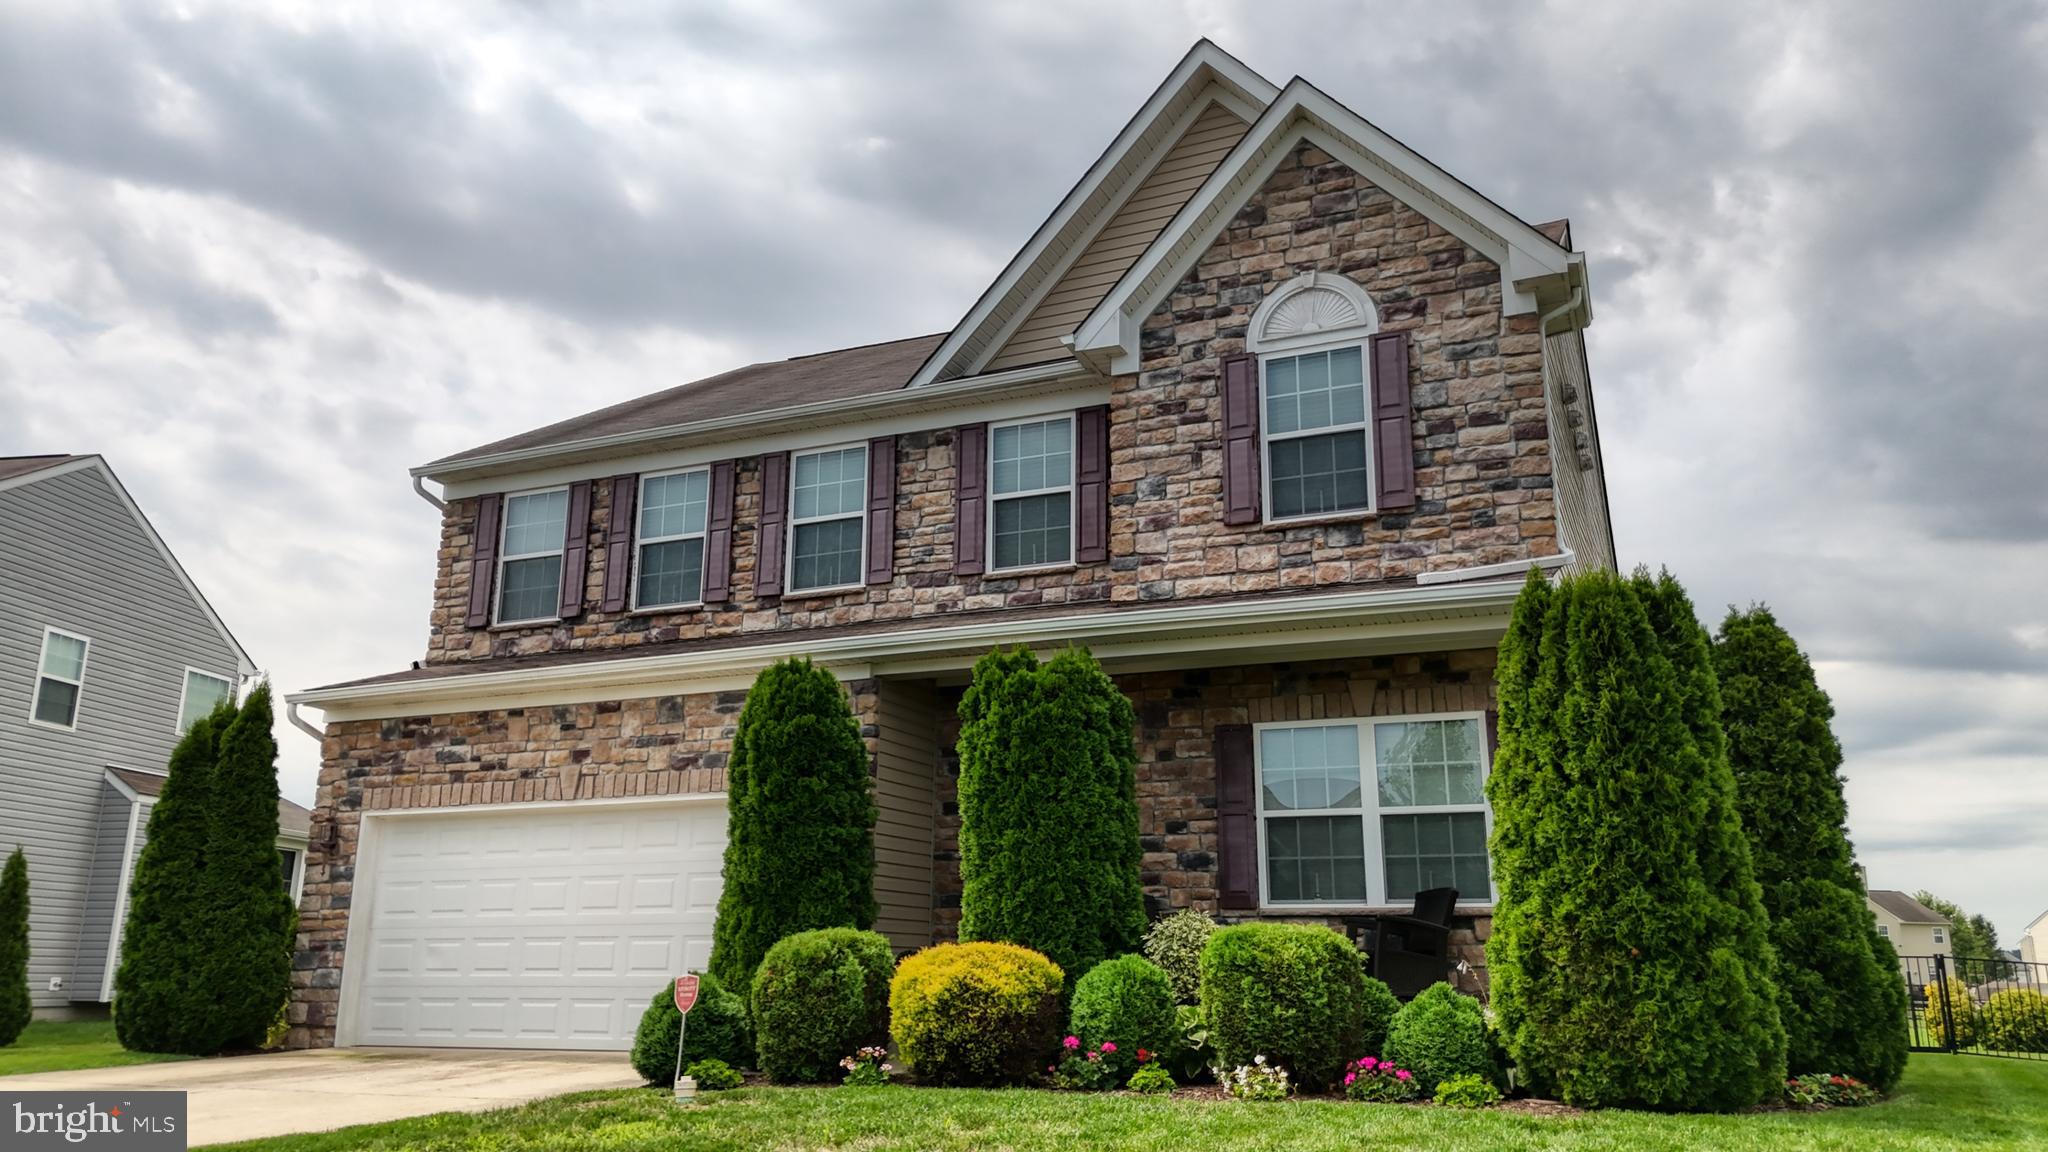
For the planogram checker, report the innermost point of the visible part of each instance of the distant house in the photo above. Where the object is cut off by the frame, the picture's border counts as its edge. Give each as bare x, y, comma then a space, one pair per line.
1912, 927
2034, 941
107, 652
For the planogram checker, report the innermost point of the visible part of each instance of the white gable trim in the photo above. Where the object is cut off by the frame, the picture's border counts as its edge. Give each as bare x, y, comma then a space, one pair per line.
243, 664
1109, 336
1205, 64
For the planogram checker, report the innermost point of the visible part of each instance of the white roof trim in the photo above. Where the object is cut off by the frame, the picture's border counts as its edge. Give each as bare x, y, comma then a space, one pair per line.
243, 664
1204, 64
1302, 112
1478, 611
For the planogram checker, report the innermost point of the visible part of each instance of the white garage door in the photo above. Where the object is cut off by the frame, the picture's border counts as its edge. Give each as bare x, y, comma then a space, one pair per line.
544, 928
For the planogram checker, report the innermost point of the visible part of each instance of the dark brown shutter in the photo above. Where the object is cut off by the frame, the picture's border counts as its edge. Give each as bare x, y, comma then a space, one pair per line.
575, 551
483, 564
1393, 422
1237, 833
770, 541
718, 536
1492, 737
618, 543
881, 509
1241, 440
970, 499
1091, 485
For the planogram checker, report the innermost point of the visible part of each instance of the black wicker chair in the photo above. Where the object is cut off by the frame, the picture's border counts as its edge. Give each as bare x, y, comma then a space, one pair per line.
1411, 952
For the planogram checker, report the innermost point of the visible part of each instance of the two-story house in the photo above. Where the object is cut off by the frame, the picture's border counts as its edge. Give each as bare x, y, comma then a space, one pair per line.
107, 652
1271, 413
1914, 929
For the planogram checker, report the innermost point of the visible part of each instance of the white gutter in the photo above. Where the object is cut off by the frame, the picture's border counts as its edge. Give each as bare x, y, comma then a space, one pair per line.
950, 394
1315, 613
419, 485
1564, 559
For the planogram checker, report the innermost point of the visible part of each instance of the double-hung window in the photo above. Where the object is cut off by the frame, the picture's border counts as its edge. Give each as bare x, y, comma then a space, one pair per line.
203, 690
1358, 812
1940, 937
1031, 484
672, 511
1317, 442
530, 556
828, 519
60, 677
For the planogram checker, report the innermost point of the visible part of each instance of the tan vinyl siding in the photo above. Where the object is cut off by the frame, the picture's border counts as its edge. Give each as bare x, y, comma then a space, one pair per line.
1129, 232
906, 757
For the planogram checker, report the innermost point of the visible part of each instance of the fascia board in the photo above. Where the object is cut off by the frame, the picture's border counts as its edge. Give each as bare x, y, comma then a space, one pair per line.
1183, 627
1202, 63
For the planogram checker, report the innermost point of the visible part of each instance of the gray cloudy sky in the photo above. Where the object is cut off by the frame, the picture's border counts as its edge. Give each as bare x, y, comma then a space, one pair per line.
264, 260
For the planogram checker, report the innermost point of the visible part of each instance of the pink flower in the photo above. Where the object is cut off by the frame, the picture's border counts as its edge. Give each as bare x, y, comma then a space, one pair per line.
1108, 1047
1350, 1076
1402, 1074
1368, 1063
1072, 1042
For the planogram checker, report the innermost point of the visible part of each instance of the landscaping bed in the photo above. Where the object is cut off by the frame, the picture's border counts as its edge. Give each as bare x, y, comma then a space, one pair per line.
1943, 1102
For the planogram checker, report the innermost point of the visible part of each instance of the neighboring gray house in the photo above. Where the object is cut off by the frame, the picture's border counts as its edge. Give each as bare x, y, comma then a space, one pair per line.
107, 651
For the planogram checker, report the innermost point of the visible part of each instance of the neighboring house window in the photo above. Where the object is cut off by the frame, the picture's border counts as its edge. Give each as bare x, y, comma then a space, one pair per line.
1940, 937
827, 521
1884, 930
288, 860
1315, 431
672, 511
202, 691
1333, 834
530, 556
1031, 467
60, 677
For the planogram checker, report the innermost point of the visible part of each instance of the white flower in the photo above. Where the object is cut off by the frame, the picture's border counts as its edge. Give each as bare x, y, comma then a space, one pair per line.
1258, 1060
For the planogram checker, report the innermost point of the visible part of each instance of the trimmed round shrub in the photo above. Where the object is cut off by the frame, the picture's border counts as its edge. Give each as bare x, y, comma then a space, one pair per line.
2015, 1020
1175, 944
800, 819
1440, 1035
714, 1075
1049, 848
976, 1014
818, 996
1127, 1001
1380, 1006
718, 1031
1292, 993
1962, 1009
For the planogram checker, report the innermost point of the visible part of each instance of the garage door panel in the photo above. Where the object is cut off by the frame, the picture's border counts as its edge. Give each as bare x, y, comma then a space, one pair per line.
545, 929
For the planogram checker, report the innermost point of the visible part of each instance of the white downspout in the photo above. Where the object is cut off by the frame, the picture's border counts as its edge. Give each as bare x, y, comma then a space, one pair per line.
291, 713
419, 485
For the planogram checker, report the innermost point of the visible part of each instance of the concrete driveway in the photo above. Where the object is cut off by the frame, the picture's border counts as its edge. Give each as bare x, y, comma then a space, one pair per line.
275, 1094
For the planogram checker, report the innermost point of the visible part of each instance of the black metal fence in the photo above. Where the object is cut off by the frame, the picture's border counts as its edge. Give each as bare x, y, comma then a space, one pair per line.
1983, 1006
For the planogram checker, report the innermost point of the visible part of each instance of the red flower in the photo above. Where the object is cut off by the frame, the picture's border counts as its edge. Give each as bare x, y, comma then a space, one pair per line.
1143, 1055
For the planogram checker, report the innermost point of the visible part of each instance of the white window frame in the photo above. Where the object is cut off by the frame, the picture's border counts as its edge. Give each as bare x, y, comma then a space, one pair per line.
1369, 810
505, 559
84, 664
1073, 507
789, 587
185, 691
1361, 341
1884, 930
640, 542
1940, 936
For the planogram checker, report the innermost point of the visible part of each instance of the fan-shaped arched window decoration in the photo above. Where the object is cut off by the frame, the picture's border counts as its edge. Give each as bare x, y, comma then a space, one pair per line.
1314, 308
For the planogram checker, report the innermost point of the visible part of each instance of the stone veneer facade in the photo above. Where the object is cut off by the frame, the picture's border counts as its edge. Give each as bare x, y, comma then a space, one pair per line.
1178, 711
1482, 440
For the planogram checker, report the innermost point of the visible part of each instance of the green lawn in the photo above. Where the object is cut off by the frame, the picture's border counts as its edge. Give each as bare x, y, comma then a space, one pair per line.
62, 1045
1946, 1102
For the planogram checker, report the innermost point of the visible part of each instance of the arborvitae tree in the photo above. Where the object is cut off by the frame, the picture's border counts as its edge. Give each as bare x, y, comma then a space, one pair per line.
1049, 810
1627, 958
249, 911
14, 999
160, 998
1842, 996
800, 848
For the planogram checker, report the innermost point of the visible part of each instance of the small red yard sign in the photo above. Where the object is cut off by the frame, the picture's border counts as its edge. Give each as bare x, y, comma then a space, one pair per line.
686, 993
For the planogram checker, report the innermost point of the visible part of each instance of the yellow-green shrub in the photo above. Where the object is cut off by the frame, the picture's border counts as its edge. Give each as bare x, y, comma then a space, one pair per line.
2015, 1020
1961, 1009
975, 1014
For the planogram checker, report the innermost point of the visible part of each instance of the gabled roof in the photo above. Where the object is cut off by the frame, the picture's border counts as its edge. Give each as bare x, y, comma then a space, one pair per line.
2036, 922
12, 466
1536, 269
755, 388
1904, 908
1206, 72
55, 466
293, 820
